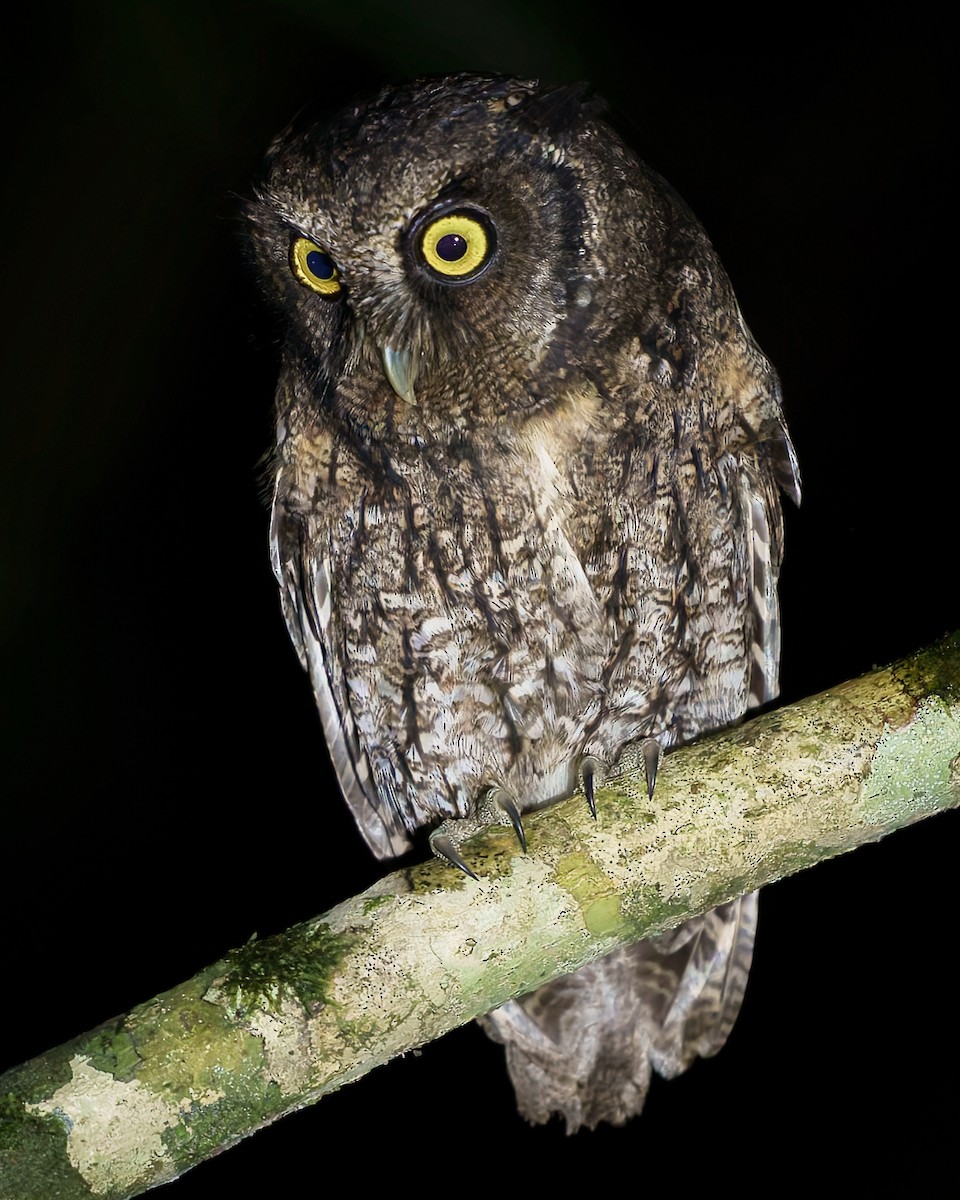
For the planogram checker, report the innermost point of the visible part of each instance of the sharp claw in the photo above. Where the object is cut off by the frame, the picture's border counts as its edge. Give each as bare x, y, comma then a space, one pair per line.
588, 789
444, 846
507, 803
590, 769
651, 760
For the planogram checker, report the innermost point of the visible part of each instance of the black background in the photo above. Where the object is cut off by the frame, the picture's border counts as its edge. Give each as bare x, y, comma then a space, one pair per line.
166, 792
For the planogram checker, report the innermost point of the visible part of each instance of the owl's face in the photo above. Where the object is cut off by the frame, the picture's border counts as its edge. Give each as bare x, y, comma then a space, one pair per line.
438, 245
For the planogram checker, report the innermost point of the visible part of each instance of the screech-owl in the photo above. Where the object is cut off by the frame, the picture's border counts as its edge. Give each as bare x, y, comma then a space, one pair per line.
526, 509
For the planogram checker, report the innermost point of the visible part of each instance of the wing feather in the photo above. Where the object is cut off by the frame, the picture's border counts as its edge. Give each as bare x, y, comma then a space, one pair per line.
304, 579
771, 465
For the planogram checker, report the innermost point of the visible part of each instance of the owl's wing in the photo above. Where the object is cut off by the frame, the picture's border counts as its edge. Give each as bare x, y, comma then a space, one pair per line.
763, 520
701, 968
304, 578
768, 466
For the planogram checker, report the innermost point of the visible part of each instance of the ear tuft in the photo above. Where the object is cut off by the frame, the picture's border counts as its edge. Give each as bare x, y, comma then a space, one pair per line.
555, 113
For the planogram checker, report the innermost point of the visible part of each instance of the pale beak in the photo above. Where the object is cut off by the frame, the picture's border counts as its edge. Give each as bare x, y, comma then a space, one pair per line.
400, 367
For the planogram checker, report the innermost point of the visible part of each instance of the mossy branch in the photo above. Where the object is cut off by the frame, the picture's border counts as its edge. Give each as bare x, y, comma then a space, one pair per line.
280, 1022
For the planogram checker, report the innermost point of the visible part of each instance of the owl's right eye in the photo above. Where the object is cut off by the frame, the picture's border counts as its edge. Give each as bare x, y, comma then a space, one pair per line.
314, 267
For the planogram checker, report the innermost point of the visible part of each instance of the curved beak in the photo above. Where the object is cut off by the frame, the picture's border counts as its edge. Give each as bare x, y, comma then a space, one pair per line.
400, 368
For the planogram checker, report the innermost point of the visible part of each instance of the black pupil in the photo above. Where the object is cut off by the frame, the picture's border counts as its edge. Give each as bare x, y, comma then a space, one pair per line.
320, 264
451, 247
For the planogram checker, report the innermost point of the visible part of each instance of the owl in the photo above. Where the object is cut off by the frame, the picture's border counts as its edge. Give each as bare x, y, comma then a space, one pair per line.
525, 510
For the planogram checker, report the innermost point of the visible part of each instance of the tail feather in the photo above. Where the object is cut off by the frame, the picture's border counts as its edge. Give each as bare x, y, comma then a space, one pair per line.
585, 1046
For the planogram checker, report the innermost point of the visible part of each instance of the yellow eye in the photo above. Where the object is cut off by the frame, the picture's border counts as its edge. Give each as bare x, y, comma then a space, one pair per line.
314, 267
458, 246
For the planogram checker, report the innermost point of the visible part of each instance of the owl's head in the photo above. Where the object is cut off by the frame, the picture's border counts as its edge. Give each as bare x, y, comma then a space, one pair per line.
461, 243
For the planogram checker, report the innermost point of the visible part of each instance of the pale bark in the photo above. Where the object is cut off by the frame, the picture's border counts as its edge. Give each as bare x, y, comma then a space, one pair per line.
278, 1023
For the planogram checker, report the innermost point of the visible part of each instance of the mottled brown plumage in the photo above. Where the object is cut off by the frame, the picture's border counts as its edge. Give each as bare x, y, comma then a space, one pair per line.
526, 508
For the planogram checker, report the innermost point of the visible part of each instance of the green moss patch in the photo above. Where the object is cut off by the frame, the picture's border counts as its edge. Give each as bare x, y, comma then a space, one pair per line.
299, 963
33, 1147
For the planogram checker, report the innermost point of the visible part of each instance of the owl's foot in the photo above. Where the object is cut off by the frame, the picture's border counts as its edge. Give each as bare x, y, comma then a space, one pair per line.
650, 749
495, 806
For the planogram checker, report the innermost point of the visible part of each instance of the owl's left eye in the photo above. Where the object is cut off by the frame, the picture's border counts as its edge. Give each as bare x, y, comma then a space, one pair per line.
314, 267
458, 246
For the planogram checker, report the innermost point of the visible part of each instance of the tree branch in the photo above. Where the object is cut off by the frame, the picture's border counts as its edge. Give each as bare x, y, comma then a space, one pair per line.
279, 1023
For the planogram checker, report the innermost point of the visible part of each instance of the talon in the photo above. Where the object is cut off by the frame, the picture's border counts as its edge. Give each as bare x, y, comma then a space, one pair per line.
589, 769
506, 802
444, 846
651, 760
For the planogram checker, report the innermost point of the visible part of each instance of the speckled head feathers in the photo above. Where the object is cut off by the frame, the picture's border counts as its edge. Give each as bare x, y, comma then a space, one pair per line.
577, 231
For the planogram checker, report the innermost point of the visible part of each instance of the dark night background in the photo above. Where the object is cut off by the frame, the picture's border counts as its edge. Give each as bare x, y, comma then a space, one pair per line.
166, 788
